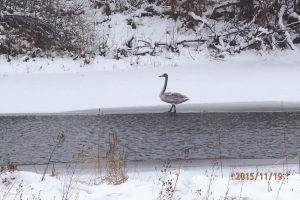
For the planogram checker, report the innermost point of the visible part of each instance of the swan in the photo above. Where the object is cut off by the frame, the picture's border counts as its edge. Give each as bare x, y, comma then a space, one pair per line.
170, 97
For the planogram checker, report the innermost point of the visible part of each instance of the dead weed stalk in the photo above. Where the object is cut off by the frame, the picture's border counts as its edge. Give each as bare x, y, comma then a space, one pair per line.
60, 138
116, 172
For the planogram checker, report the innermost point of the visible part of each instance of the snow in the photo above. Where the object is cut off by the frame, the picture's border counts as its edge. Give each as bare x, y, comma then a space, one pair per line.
210, 182
282, 27
43, 85
197, 18
295, 15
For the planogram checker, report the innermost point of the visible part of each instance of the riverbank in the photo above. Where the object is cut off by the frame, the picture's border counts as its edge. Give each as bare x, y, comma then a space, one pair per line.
186, 181
235, 107
248, 81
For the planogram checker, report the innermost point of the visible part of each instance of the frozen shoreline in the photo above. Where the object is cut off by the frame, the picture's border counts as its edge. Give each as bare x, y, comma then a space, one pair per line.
188, 164
268, 83
269, 106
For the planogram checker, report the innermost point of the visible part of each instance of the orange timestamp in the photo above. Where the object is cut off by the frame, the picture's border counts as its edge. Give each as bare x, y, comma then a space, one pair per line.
258, 176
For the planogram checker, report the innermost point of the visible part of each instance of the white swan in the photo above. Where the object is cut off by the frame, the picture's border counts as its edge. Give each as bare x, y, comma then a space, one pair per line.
170, 97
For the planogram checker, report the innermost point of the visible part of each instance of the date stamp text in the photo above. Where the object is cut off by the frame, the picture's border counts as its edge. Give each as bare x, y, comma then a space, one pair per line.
240, 176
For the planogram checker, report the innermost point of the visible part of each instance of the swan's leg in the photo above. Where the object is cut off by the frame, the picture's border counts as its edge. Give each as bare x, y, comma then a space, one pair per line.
174, 109
171, 109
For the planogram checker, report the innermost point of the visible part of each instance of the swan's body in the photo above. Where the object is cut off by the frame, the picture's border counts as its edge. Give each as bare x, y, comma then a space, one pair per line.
170, 97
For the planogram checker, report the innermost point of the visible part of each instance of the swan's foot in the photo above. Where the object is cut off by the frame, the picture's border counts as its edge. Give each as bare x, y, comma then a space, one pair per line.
170, 111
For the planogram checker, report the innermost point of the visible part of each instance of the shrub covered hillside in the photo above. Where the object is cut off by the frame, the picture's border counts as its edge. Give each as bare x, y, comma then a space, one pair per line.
85, 28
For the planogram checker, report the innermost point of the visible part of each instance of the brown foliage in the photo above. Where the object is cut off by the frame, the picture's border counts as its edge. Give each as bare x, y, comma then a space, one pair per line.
10, 167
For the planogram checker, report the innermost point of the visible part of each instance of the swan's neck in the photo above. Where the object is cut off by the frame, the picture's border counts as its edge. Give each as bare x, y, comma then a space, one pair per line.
165, 86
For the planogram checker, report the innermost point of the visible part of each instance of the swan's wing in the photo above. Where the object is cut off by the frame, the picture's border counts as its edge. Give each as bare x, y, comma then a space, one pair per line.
176, 96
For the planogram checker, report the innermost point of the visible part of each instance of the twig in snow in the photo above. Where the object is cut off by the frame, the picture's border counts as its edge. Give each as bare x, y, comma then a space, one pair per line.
59, 140
198, 18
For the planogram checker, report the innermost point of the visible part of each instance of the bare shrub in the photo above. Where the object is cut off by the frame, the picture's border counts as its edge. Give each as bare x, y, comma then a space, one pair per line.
60, 138
9, 167
246, 9
37, 26
69, 182
116, 172
9, 181
182, 8
168, 181
298, 155
97, 164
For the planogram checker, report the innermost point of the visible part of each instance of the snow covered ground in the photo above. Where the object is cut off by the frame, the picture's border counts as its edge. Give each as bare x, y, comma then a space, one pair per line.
204, 182
43, 85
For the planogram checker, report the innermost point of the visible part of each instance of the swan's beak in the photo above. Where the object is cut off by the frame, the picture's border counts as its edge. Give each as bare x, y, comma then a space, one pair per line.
160, 76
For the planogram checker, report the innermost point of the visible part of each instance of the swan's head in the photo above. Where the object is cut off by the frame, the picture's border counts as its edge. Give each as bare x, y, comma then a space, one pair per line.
164, 75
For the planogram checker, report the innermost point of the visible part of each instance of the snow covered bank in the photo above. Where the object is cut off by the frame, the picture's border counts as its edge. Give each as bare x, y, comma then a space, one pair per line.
192, 183
266, 106
62, 84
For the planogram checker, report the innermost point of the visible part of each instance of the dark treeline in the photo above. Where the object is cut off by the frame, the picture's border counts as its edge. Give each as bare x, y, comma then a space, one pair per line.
39, 27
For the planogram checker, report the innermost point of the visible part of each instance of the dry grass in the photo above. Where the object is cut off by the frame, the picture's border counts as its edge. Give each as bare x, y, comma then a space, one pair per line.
60, 138
116, 172
298, 155
168, 181
9, 182
70, 181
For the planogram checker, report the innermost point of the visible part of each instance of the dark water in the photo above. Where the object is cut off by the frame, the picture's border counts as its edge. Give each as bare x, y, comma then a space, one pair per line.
28, 139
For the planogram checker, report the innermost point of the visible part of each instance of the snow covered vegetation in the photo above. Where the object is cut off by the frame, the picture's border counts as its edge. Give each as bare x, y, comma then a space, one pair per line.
116, 29
168, 182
